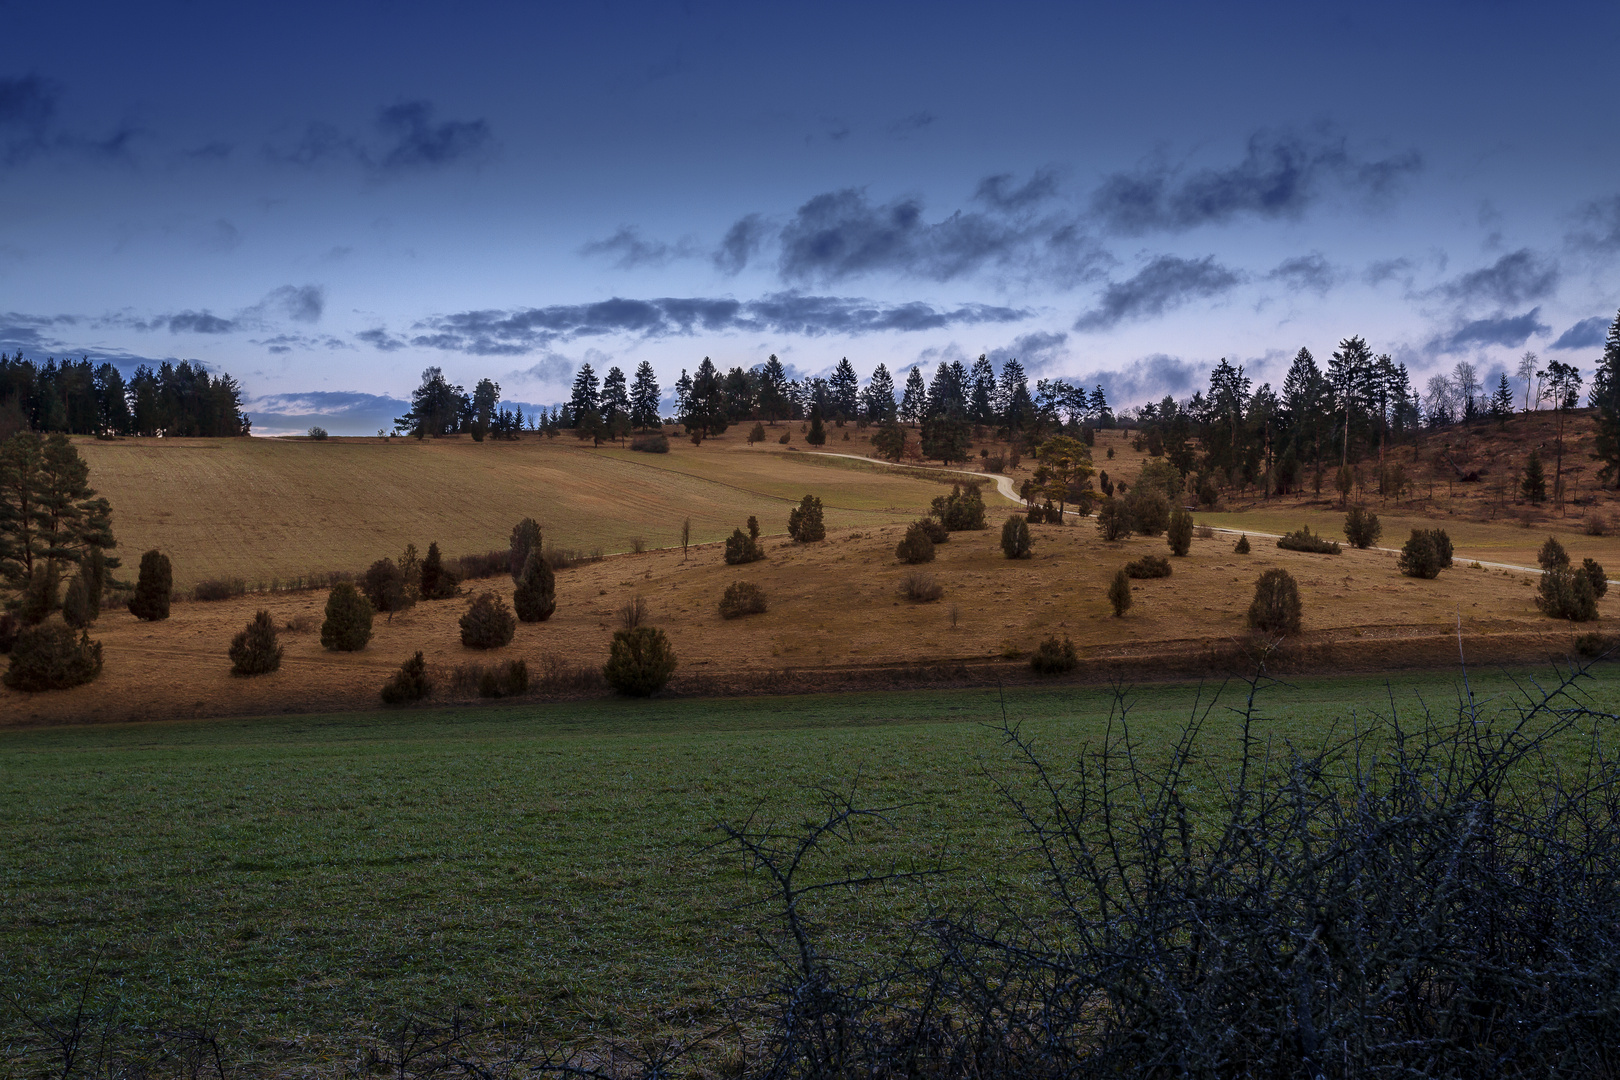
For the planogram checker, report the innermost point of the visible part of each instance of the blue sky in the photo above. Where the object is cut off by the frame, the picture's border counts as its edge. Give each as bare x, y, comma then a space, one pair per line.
324, 199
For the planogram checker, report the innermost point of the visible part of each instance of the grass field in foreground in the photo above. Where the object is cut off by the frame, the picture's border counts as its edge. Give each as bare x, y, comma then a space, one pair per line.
301, 879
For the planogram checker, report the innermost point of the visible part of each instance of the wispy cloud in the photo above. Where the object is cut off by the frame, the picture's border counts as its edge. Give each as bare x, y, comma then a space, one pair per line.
1586, 334
1146, 379
1307, 273
1509, 331
627, 249
406, 137
1518, 277
1165, 283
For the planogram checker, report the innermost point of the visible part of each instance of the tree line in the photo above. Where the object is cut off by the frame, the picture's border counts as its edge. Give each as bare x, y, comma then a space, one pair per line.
81, 398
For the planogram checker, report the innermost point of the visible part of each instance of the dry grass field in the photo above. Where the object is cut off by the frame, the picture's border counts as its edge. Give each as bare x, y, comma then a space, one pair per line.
259, 509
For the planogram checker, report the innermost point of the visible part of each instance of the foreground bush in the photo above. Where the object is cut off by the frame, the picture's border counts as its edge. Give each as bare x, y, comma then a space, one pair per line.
917, 546
742, 598
348, 619
1015, 542
535, 597
1362, 527
488, 623
962, 510
1276, 608
1054, 657
153, 587
640, 663
410, 683
1148, 566
805, 523
1302, 539
51, 656
255, 650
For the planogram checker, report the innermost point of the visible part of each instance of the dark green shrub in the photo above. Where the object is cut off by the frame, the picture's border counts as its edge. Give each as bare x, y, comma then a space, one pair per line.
936, 530
756, 434
753, 527
1148, 566
51, 657
410, 683
153, 586
1242, 546
742, 598
10, 627
524, 539
655, 443
217, 589
535, 597
1534, 485
1567, 594
384, 586
348, 619
804, 521
1362, 527
76, 603
916, 546
1054, 657
254, 650
787, 437
1552, 555
640, 663
1149, 510
817, 435
1015, 542
1425, 553
962, 510
1593, 645
742, 548
40, 593
1114, 520
438, 583
1594, 573
1119, 593
1276, 608
319, 434
1302, 539
921, 587
1179, 533
488, 623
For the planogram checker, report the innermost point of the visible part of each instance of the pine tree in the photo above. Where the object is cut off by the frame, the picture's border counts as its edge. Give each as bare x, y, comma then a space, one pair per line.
1534, 485
410, 682
384, 586
347, 627
50, 657
914, 402
1606, 396
76, 604
877, 399
845, 387
1276, 607
616, 401
437, 582
153, 586
585, 396
982, 391
644, 397
805, 523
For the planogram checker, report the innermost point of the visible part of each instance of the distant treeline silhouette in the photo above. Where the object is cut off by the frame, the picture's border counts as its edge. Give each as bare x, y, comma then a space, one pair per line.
82, 398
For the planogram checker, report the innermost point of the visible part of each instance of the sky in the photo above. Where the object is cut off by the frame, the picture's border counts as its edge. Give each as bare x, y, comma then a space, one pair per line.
325, 199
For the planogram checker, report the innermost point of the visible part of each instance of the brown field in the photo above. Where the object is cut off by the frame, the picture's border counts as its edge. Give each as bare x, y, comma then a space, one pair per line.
257, 509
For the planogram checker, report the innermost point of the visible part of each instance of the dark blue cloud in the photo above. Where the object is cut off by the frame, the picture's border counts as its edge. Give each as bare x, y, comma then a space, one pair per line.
1385, 269
1311, 273
512, 333
27, 105
1280, 176
381, 339
197, 322
1509, 331
1000, 191
418, 141
1599, 226
1036, 351
1147, 379
741, 243
1516, 278
841, 234
1163, 284
907, 126
1586, 334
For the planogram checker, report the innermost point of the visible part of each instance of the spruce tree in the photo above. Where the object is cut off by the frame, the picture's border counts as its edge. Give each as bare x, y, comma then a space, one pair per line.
1606, 396
255, 650
805, 523
1534, 485
348, 619
153, 586
437, 582
818, 434
535, 597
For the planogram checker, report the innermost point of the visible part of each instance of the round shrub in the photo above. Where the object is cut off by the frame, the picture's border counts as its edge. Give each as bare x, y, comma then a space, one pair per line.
1148, 566
640, 663
917, 546
1425, 553
51, 657
742, 598
924, 588
535, 597
1149, 509
1114, 520
1242, 546
1119, 593
1054, 657
962, 510
805, 522
1362, 527
348, 619
936, 530
1276, 608
152, 588
488, 623
384, 586
742, 548
1015, 543
410, 683
1567, 594
1552, 555
1594, 573
254, 650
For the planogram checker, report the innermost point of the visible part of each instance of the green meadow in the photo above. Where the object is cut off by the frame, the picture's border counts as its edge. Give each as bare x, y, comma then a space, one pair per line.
294, 881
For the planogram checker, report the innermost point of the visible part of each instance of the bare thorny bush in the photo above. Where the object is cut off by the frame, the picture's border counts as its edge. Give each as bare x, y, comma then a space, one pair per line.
1428, 896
